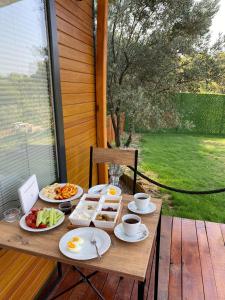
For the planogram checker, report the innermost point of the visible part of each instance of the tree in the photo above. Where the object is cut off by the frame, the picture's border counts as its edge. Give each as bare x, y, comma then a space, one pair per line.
154, 46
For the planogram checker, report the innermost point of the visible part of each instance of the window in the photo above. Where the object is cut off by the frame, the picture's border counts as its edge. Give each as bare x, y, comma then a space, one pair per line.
27, 140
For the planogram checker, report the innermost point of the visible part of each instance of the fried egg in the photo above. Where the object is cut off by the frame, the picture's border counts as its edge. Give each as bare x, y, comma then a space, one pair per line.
111, 191
78, 240
73, 247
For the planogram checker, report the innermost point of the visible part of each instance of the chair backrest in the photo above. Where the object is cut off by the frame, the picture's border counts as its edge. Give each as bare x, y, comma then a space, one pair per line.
127, 157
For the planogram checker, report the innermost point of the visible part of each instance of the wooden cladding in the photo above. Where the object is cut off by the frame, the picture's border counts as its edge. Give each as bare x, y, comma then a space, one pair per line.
77, 75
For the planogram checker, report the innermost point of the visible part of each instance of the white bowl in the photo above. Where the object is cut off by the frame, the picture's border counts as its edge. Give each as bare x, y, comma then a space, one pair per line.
76, 219
113, 199
106, 224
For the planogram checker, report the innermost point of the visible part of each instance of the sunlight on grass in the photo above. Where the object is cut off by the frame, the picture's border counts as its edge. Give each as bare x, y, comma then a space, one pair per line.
188, 162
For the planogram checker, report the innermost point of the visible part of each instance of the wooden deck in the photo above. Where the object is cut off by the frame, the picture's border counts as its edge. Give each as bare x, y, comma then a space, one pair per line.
192, 266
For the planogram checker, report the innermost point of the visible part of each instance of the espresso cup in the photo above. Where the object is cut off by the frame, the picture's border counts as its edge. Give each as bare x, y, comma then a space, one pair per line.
142, 200
131, 224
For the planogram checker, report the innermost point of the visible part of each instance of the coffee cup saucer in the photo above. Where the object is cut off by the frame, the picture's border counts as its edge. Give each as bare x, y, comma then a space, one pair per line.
149, 209
142, 234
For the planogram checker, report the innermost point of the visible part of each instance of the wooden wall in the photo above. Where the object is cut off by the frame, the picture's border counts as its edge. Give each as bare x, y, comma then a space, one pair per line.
77, 72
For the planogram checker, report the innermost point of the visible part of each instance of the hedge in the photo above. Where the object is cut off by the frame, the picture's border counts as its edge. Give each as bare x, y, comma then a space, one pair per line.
204, 112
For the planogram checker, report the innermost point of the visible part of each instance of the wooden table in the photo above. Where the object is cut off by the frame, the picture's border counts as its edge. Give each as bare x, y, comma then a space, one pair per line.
124, 259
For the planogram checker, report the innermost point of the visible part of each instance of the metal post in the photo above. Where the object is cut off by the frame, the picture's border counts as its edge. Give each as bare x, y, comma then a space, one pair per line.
141, 290
90, 167
59, 269
135, 171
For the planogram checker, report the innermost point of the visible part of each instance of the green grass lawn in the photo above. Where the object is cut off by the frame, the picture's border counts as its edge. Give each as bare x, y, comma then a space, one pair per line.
187, 162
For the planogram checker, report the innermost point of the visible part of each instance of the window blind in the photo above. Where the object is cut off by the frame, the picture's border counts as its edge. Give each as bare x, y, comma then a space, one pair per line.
27, 139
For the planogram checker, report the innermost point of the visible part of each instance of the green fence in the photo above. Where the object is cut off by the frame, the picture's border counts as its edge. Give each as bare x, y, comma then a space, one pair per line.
200, 113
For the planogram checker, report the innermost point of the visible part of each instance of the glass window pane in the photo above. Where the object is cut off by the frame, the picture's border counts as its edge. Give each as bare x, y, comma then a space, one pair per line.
27, 141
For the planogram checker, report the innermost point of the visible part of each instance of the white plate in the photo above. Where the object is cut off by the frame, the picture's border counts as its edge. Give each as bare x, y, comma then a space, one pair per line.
88, 250
150, 208
141, 235
95, 189
24, 226
78, 195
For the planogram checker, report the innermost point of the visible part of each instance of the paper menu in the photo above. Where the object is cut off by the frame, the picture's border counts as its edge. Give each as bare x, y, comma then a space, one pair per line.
28, 194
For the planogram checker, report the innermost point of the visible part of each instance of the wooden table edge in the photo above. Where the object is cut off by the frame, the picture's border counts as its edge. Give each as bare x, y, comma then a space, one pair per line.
77, 263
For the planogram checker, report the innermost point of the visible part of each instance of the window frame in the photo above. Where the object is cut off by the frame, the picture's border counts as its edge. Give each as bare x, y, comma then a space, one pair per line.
56, 89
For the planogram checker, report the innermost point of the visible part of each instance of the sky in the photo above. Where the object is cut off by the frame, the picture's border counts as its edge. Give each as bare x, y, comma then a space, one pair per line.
218, 23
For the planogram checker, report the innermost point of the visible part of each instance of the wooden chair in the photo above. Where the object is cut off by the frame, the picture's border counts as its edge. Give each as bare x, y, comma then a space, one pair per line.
114, 156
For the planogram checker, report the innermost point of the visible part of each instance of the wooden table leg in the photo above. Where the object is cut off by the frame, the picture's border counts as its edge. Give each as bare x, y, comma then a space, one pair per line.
141, 290
157, 258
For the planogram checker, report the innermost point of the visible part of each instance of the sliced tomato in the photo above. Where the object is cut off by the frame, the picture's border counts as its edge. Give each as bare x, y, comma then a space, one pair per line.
42, 226
34, 210
30, 223
33, 218
33, 225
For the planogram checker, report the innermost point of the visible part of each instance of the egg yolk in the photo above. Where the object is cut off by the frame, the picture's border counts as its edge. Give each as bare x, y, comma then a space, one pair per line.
112, 191
76, 239
71, 245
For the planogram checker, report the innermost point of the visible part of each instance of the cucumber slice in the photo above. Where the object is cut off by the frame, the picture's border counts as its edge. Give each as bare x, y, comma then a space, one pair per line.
39, 217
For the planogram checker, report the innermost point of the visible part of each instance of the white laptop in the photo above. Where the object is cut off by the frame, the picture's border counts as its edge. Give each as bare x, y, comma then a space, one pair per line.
28, 194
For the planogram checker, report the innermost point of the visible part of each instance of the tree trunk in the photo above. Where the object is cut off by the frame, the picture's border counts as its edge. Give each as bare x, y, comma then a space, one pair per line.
129, 140
117, 133
116, 127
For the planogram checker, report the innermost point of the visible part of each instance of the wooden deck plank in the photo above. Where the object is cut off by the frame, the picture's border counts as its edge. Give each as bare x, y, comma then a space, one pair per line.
222, 227
150, 295
110, 286
98, 281
69, 278
175, 288
164, 260
217, 250
124, 289
191, 272
209, 283
199, 246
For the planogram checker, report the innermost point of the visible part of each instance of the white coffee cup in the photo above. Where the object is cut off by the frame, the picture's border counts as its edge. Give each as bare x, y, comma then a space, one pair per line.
131, 224
142, 200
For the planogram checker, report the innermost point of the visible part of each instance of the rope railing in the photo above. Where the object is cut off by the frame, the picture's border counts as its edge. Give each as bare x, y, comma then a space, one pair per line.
173, 189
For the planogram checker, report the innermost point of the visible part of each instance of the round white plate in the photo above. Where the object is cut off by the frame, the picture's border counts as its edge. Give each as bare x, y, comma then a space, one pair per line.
141, 235
78, 195
24, 226
95, 189
150, 208
88, 250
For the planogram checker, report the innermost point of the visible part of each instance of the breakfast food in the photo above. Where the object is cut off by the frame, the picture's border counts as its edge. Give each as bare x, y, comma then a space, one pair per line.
71, 246
104, 217
92, 199
112, 201
77, 240
109, 208
83, 215
97, 212
58, 192
43, 218
111, 191
74, 244
89, 206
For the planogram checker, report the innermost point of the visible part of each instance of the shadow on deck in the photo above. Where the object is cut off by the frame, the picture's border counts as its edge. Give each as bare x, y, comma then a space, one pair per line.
192, 266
